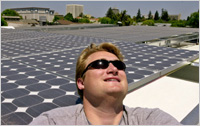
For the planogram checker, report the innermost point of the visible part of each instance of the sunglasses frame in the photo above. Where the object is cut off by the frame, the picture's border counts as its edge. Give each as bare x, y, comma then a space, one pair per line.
111, 61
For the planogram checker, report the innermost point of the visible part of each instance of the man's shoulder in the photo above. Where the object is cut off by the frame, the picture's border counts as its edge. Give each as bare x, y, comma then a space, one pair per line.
152, 116
58, 116
138, 111
64, 111
134, 110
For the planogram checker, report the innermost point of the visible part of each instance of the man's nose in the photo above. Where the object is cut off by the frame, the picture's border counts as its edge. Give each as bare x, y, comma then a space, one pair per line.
112, 69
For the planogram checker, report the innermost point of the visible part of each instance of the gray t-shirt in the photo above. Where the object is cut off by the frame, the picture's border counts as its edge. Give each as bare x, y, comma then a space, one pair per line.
75, 115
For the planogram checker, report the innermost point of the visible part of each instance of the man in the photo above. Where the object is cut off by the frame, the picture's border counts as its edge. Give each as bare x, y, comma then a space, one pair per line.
102, 85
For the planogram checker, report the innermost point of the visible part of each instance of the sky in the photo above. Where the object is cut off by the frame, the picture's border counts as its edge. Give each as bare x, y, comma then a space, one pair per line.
99, 8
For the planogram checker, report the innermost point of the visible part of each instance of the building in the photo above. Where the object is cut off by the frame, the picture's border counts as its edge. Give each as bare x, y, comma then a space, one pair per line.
88, 15
11, 18
74, 9
36, 13
94, 20
147, 16
175, 17
115, 10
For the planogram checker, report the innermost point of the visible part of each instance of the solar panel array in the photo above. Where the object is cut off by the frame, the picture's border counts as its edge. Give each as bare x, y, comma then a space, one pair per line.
38, 70
130, 33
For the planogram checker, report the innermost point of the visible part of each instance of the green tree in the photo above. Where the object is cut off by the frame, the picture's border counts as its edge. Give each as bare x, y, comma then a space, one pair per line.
81, 14
138, 17
156, 16
134, 18
84, 20
75, 20
69, 17
84, 16
112, 18
164, 15
194, 20
9, 12
180, 23
124, 18
142, 19
188, 18
105, 20
150, 15
3, 22
148, 22
110, 13
57, 18
128, 22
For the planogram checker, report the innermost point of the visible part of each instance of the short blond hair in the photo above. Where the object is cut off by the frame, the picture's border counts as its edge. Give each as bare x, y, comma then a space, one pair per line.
81, 61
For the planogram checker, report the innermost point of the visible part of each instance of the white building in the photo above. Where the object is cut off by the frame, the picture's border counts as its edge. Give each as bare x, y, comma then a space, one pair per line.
115, 10
36, 13
74, 9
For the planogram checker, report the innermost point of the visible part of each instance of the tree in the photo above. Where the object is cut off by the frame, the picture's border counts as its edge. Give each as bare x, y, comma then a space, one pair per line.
3, 22
124, 18
148, 22
138, 17
164, 15
84, 16
180, 23
81, 14
57, 18
84, 20
105, 20
134, 18
68, 17
194, 20
112, 18
188, 18
9, 12
156, 16
128, 22
123, 15
150, 15
110, 13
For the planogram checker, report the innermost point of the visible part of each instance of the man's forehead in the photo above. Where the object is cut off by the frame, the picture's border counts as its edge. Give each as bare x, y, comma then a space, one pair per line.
101, 55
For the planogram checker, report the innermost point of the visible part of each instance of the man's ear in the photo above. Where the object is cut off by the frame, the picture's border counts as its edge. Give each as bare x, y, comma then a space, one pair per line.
80, 84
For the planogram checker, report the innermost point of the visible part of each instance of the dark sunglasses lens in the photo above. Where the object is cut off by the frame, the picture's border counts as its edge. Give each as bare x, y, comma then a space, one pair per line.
100, 64
119, 64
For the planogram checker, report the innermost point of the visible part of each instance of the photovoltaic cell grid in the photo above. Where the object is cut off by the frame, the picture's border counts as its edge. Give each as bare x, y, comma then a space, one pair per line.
130, 33
20, 35
34, 82
28, 91
45, 44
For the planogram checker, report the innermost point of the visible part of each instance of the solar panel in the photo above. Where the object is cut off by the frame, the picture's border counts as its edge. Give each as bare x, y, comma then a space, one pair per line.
130, 33
26, 89
38, 70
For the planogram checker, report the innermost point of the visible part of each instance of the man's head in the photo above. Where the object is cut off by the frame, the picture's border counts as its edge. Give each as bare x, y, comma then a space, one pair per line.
100, 70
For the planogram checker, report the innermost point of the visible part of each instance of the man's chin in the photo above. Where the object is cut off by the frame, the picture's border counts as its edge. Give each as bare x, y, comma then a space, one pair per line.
116, 93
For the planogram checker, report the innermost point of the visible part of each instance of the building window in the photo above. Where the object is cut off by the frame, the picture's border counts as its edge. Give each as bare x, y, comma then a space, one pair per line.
51, 12
36, 10
31, 10
46, 11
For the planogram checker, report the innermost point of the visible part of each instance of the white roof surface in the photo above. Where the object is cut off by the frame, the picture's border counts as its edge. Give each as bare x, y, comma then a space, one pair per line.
174, 96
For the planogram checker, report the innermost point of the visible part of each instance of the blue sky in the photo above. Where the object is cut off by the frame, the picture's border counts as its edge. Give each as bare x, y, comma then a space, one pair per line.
99, 8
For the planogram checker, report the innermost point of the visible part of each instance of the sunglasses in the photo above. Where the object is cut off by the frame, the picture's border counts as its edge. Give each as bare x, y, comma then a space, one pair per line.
103, 64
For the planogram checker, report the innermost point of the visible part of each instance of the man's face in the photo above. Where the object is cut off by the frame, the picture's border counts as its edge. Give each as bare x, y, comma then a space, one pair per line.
104, 82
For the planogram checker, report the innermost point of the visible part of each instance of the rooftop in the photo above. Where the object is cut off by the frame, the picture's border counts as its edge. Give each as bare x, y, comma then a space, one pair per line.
29, 8
38, 67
